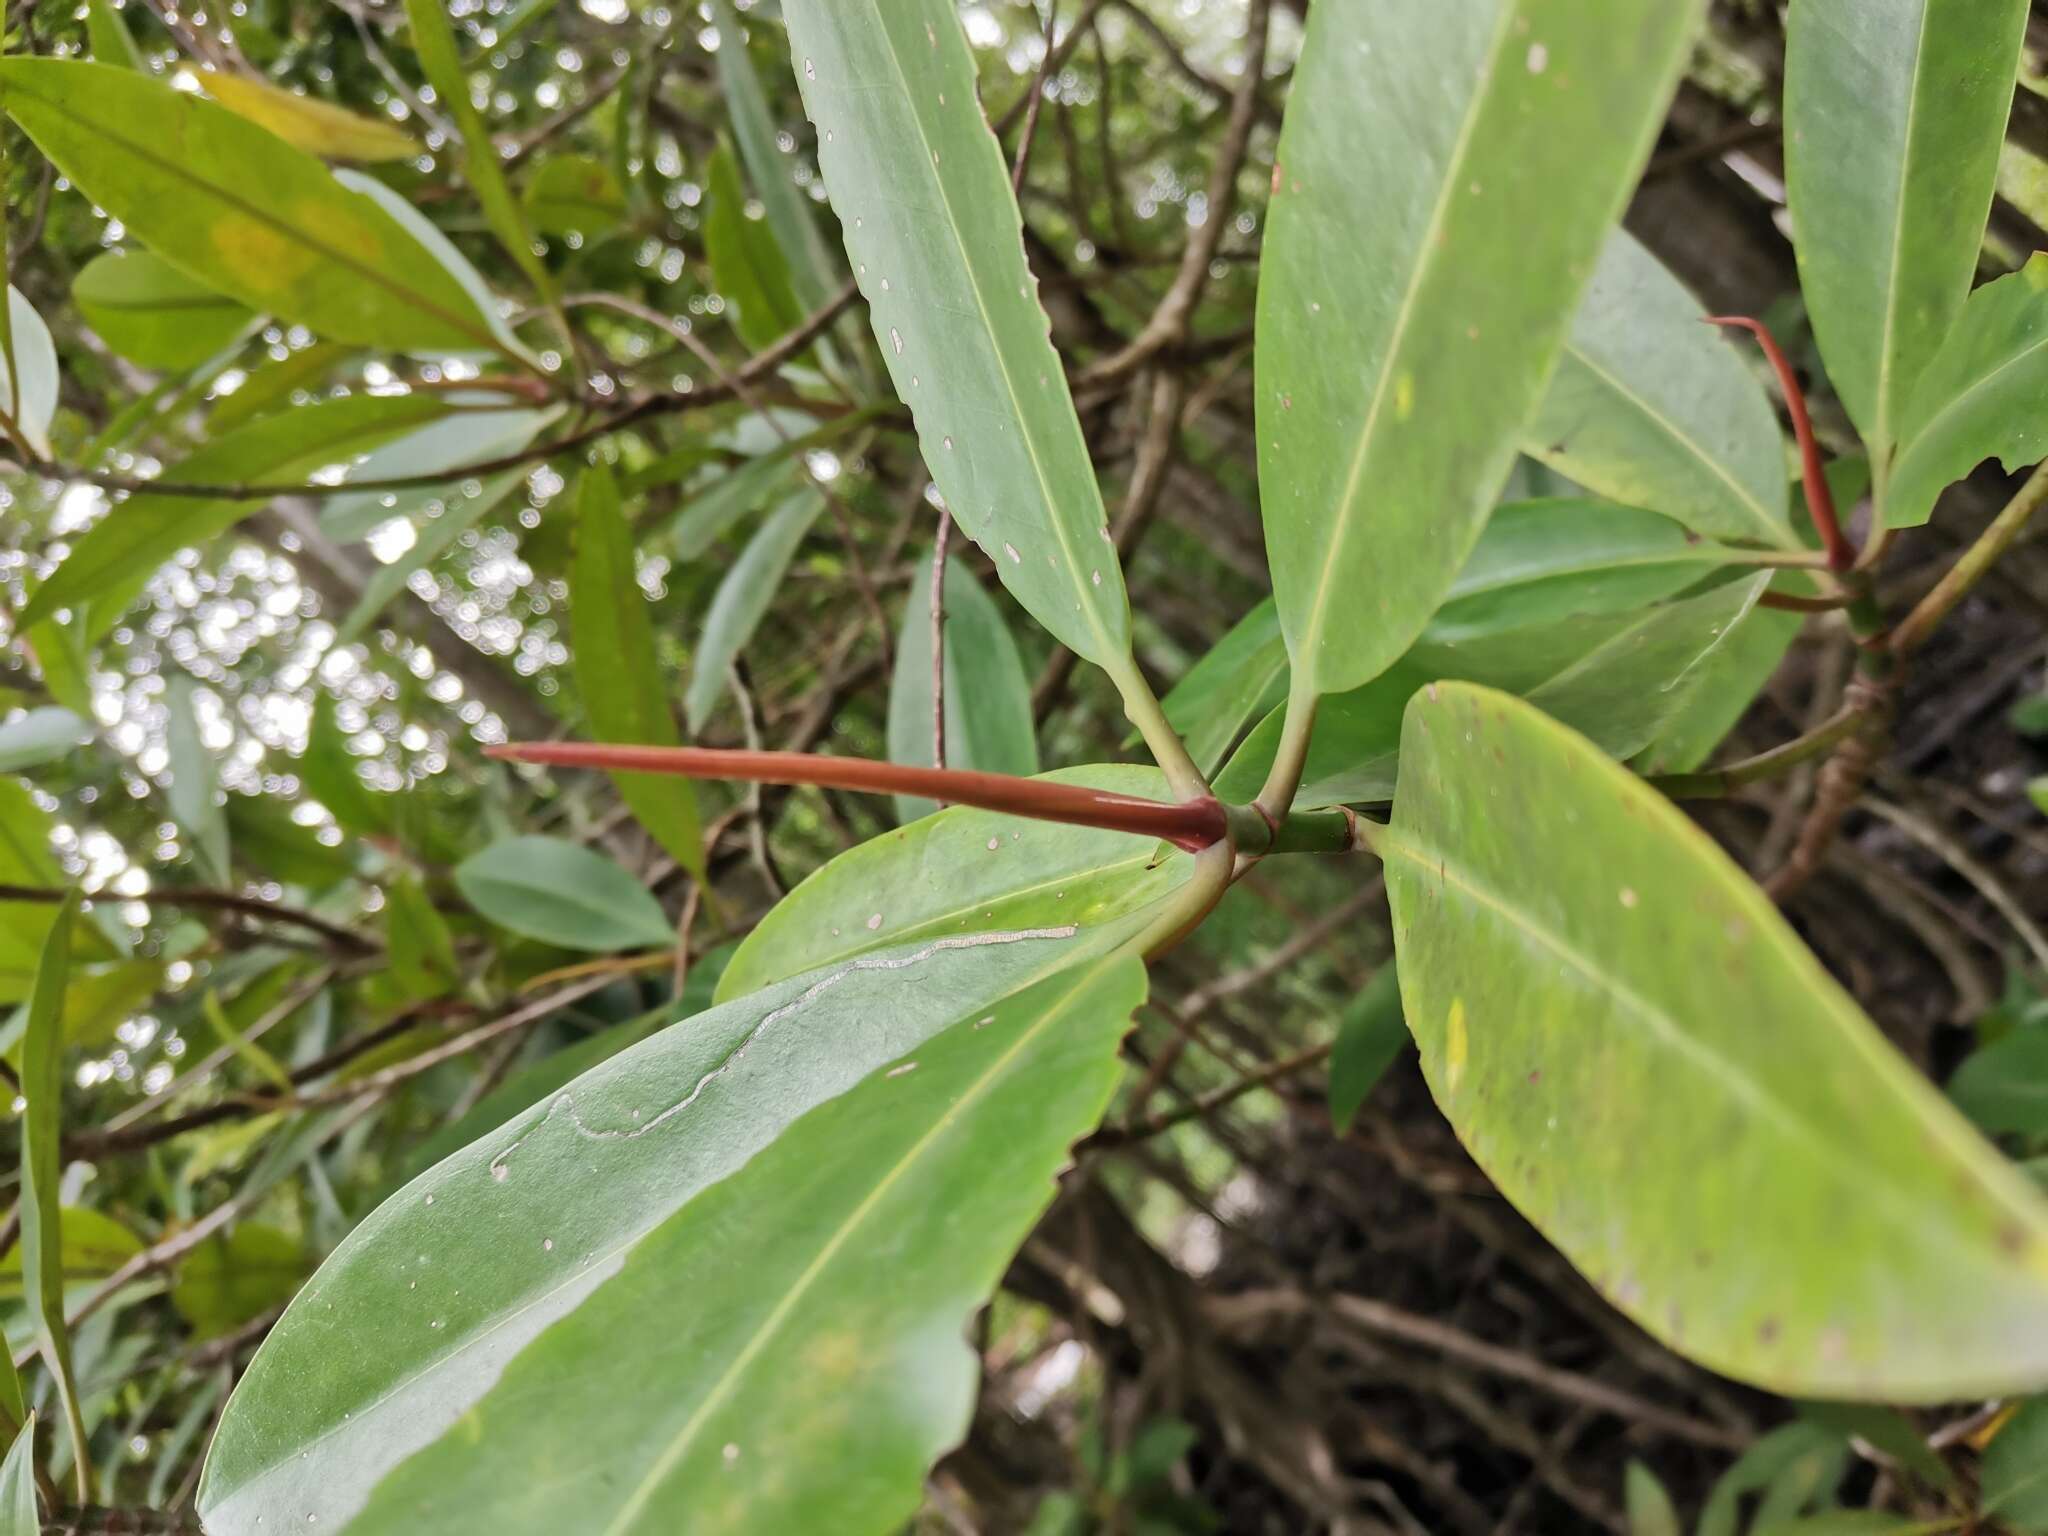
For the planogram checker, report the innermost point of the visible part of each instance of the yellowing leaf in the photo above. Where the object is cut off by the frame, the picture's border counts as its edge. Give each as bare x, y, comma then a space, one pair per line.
317, 127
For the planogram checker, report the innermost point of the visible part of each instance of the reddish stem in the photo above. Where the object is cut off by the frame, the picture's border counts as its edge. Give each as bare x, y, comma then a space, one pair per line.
1820, 501
1191, 824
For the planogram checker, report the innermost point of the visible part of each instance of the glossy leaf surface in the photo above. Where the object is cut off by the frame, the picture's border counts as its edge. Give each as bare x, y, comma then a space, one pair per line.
1446, 178
1610, 1014
513, 1227
18, 1516
237, 208
1894, 113
963, 871
34, 404
1980, 396
624, 687
153, 314
1651, 408
549, 888
936, 242
988, 698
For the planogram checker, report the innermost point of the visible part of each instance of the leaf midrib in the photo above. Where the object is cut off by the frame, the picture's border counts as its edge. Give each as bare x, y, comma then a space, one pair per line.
1881, 422
174, 169
1426, 250
766, 1330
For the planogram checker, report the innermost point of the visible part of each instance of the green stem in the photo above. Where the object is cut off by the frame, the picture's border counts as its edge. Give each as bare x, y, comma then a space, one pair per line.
1995, 540
1142, 709
1184, 911
1765, 765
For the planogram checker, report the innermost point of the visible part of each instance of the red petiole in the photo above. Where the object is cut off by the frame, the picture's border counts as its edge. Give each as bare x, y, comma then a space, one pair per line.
1191, 824
1820, 501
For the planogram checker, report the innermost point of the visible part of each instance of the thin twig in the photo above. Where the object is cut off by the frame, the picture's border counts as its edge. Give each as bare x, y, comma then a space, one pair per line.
1045, 69
1955, 585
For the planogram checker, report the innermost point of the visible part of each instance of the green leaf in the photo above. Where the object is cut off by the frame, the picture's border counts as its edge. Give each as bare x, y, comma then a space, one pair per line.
1652, 408
1243, 676
1650, 1510
1894, 114
742, 601
273, 384
746, 264
551, 889
39, 736
238, 209
1890, 1432
304, 122
587, 1185
2003, 1086
1468, 162
228, 1281
923, 198
574, 194
962, 872
94, 1245
194, 793
1979, 396
2015, 1483
416, 937
153, 314
42, 1163
26, 860
442, 531
35, 355
1636, 1048
988, 699
120, 552
265, 1065
730, 493
1854, 1522
18, 1516
788, 209
107, 33
1728, 681
2030, 715
328, 771
433, 39
450, 444
624, 688
1370, 1034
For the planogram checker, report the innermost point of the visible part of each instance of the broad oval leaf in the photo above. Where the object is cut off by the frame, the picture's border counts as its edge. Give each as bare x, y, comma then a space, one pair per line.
116, 556
34, 405
552, 889
305, 122
988, 699
152, 313
743, 599
1894, 114
1637, 1049
617, 671
1651, 408
937, 246
964, 871
239, 209
39, 736
511, 1223
1446, 176
1980, 396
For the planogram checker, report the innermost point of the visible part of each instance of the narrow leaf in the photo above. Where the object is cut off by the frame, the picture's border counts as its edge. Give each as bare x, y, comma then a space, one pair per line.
1465, 164
1894, 114
42, 1163
416, 937
530, 1223
328, 770
304, 122
107, 33
1243, 676
924, 202
743, 599
574, 194
1727, 682
449, 444
194, 793
1639, 1052
2016, 1470
988, 698
1979, 397
1370, 1034
237, 208
34, 405
1652, 408
18, 1516
442, 531
1650, 1510
746, 263
624, 687
563, 893
153, 314
40, 736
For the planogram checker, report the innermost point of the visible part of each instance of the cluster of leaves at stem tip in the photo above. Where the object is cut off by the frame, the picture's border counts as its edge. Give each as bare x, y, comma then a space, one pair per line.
719, 1275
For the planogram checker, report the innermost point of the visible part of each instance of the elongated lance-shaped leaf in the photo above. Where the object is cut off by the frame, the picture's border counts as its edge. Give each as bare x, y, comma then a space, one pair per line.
240, 210
1980, 397
42, 1162
617, 671
411, 1323
743, 599
1446, 177
195, 779
1653, 409
1894, 114
937, 246
1638, 1050
318, 127
18, 1515
1243, 676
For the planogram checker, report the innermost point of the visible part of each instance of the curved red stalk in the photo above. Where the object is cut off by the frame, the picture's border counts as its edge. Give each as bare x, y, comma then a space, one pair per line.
1192, 824
1820, 501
